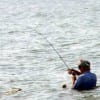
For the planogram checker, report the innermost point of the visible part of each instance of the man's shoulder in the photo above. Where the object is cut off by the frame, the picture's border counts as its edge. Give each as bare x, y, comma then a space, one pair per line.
88, 75
81, 77
91, 74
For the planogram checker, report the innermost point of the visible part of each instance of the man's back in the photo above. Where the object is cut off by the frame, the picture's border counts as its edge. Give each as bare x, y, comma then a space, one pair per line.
86, 81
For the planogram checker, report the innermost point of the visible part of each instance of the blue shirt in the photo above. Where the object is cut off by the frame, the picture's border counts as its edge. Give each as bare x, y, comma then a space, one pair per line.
86, 81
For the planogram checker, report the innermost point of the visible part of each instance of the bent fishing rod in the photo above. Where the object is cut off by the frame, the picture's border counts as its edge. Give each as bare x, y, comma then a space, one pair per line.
55, 50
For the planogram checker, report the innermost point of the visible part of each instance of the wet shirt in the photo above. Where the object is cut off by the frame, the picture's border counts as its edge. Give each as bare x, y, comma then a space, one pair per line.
86, 81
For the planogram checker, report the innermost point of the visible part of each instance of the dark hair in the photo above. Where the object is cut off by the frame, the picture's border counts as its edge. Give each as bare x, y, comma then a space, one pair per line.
85, 64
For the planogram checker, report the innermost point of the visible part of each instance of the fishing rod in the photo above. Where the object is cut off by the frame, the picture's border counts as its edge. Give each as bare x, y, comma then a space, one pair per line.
55, 50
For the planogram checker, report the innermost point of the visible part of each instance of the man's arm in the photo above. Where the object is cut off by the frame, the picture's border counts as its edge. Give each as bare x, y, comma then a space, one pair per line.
73, 72
78, 84
73, 80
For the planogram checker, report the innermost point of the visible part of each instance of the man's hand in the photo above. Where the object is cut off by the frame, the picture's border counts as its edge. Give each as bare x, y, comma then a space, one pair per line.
73, 72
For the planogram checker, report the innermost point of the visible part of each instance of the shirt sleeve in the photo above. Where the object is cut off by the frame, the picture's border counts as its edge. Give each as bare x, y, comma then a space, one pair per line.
78, 84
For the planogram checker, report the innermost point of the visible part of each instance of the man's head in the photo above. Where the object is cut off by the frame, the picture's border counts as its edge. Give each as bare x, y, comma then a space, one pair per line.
84, 66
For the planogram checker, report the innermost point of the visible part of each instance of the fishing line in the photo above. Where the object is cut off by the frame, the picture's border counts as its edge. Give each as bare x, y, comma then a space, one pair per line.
55, 50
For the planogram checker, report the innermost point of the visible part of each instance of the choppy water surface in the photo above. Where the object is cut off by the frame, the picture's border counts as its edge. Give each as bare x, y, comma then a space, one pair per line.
26, 59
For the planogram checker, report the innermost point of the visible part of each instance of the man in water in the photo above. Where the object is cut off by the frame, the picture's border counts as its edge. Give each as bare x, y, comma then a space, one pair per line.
86, 80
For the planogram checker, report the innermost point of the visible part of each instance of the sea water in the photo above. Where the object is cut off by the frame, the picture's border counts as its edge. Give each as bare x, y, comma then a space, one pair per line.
28, 62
